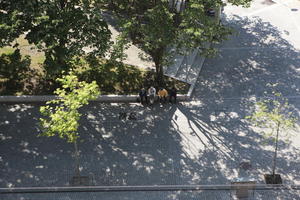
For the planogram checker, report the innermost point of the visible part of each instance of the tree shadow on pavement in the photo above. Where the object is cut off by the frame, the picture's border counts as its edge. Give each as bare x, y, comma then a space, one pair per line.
114, 151
202, 142
229, 84
255, 55
28, 160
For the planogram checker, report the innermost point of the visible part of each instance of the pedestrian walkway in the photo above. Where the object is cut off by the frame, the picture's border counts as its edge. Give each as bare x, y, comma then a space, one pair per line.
201, 142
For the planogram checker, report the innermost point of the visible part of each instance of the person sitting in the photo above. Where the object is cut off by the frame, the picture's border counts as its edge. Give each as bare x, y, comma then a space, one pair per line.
151, 93
173, 94
162, 95
143, 96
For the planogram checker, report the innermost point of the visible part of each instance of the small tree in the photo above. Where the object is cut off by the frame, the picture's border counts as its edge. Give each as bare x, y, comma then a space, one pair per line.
61, 115
274, 114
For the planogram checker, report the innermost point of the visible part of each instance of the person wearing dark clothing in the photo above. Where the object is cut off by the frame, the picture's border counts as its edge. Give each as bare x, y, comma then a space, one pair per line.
173, 94
143, 96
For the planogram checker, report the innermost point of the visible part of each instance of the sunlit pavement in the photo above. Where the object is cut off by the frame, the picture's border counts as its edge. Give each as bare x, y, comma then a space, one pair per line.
200, 142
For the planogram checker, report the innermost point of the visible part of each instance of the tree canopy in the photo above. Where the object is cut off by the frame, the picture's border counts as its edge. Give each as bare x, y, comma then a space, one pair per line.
65, 29
60, 28
156, 25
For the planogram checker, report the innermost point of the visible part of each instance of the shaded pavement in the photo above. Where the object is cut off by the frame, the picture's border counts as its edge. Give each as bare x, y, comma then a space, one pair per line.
201, 142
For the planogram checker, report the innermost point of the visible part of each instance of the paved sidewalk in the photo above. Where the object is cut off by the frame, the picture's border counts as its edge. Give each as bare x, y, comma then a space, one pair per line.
200, 142
192, 143
264, 49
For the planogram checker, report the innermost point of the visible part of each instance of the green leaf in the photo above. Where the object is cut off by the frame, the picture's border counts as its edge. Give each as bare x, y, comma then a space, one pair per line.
62, 118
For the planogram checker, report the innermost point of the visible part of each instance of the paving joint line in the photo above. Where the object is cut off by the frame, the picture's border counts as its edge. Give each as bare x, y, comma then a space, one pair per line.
136, 188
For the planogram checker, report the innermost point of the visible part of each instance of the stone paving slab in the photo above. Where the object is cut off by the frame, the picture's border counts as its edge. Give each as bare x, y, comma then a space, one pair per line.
201, 142
249, 61
238, 77
196, 143
203, 195
183, 144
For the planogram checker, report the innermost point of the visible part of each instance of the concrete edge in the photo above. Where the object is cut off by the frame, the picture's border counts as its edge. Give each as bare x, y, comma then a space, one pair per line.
192, 87
101, 98
144, 188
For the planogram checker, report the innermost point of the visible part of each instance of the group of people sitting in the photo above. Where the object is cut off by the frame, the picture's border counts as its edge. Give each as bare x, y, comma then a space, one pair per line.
162, 94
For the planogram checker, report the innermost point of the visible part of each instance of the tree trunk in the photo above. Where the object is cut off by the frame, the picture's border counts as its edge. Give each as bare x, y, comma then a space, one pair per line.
62, 4
77, 170
157, 56
159, 74
61, 56
276, 149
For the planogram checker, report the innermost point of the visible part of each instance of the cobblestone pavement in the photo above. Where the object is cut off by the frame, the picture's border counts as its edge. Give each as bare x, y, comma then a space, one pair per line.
193, 143
201, 142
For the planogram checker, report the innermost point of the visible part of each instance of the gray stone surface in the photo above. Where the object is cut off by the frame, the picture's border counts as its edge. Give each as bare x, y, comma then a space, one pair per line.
200, 142
205, 195
172, 144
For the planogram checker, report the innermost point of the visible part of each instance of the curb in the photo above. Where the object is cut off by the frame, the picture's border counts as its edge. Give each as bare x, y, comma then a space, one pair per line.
144, 188
192, 87
101, 98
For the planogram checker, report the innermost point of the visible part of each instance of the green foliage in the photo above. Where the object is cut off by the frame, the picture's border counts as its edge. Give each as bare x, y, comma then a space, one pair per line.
11, 23
273, 113
60, 28
61, 116
156, 25
118, 78
245, 3
111, 77
13, 72
117, 52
